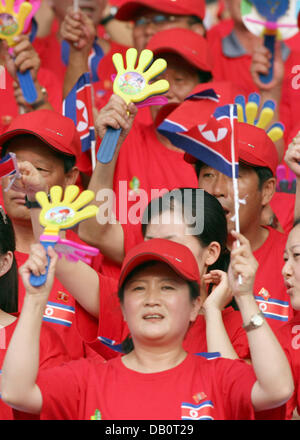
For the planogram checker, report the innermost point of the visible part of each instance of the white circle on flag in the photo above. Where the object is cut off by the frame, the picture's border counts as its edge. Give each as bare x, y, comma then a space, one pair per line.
210, 136
193, 413
49, 311
263, 307
82, 124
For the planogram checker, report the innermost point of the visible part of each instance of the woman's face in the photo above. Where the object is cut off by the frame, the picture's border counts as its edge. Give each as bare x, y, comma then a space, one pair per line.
157, 306
291, 268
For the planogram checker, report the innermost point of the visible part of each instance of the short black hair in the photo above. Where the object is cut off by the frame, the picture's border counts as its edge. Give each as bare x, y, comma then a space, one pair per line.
68, 161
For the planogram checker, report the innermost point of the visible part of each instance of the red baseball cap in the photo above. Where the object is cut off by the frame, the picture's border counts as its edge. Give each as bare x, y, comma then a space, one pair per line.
56, 130
128, 8
255, 148
193, 47
177, 256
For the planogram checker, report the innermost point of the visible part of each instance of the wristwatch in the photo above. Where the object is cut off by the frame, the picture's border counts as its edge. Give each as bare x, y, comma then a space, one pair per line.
35, 105
255, 322
112, 12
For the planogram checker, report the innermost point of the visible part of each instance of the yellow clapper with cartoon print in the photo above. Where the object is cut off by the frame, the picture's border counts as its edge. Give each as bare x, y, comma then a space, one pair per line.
11, 25
61, 214
132, 84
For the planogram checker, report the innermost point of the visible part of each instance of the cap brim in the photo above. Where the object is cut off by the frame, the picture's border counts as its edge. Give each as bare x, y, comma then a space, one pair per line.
53, 145
149, 256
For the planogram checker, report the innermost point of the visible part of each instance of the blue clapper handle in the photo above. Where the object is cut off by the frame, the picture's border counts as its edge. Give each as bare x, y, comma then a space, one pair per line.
108, 145
27, 86
269, 43
37, 281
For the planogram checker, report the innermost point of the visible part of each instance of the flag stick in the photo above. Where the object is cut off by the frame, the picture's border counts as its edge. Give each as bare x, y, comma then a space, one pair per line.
76, 5
235, 182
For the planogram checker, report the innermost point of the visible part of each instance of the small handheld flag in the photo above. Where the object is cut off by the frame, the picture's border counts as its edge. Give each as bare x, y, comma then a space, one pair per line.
78, 107
9, 167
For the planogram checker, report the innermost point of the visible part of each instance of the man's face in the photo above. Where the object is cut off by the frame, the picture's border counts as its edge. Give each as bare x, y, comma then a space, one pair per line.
182, 78
45, 161
149, 21
221, 187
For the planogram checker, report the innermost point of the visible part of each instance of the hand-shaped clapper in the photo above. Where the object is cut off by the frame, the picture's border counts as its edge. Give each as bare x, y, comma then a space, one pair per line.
132, 84
11, 25
63, 214
274, 19
249, 113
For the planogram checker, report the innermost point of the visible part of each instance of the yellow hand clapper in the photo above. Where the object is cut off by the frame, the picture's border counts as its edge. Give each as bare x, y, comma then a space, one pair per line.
59, 214
132, 84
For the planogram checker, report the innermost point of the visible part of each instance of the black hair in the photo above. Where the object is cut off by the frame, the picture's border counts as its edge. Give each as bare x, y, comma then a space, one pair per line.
263, 173
9, 281
296, 222
194, 291
68, 161
213, 217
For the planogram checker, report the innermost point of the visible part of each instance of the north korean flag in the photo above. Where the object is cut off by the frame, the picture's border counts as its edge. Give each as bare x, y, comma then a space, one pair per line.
203, 411
8, 165
196, 108
213, 142
78, 107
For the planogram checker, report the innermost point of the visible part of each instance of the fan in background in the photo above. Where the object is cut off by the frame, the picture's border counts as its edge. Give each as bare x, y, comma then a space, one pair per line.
272, 19
12, 23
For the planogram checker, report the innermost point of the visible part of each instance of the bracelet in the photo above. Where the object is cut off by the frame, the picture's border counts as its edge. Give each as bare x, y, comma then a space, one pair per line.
41, 101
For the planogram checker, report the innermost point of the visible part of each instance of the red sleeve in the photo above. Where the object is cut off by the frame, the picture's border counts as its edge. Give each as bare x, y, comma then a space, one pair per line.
132, 235
111, 326
234, 327
62, 391
235, 380
52, 349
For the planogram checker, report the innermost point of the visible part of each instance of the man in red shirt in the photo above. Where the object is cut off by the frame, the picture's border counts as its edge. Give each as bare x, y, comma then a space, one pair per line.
51, 143
258, 160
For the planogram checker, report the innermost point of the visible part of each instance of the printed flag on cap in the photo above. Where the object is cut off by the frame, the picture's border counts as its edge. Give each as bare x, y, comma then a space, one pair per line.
78, 107
209, 141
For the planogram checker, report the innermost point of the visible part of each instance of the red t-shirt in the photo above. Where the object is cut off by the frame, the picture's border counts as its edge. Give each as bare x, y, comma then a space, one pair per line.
52, 353
269, 288
106, 335
8, 105
289, 337
195, 389
283, 205
60, 311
